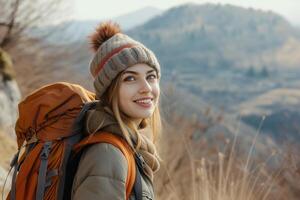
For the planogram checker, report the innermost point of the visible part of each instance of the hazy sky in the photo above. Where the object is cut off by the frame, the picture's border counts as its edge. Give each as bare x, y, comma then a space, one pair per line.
100, 9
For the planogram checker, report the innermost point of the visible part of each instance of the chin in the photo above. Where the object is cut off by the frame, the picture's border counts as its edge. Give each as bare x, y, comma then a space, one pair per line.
141, 115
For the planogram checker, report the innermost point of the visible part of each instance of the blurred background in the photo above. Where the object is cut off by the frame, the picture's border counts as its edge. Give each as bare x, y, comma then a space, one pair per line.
230, 83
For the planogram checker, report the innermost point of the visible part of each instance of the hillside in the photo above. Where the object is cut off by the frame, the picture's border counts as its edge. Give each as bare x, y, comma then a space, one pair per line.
223, 53
224, 36
8, 147
76, 30
281, 108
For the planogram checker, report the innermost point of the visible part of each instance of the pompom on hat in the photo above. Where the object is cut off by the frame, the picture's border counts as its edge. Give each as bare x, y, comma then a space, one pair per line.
114, 52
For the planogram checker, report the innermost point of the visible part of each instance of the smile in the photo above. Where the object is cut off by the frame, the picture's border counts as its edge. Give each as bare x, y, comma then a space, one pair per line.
145, 102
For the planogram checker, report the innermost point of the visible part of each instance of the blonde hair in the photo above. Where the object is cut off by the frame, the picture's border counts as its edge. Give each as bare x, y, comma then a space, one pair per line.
128, 128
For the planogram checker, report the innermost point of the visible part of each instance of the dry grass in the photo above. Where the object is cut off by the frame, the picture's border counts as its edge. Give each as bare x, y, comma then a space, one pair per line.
8, 147
228, 175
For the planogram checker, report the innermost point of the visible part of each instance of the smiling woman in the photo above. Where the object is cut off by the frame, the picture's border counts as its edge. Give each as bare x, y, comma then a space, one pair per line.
126, 79
139, 92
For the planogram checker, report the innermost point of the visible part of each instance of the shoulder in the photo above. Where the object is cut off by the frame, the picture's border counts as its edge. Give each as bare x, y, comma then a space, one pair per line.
103, 159
101, 173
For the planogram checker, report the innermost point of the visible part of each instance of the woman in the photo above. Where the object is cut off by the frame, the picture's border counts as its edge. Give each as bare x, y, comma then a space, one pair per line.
126, 80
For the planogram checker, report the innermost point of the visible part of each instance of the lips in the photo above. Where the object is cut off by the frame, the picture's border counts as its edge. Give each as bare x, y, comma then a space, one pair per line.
144, 99
144, 102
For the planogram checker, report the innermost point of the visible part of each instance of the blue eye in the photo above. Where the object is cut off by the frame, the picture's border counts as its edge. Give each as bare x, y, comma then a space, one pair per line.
151, 76
129, 78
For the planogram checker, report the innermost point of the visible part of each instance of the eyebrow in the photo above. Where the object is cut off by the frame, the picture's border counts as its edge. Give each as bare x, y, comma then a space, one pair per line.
133, 72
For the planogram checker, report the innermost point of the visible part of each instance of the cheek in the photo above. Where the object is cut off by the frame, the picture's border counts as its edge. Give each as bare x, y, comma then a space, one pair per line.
126, 95
127, 91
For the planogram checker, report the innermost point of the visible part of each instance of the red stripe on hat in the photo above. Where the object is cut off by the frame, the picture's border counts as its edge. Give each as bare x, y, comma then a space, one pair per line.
111, 54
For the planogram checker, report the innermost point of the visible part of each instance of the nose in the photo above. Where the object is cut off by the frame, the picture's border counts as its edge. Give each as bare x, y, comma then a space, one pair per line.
145, 87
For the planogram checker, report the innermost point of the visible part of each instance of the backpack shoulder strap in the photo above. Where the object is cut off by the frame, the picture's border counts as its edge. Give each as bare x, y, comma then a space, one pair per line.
105, 137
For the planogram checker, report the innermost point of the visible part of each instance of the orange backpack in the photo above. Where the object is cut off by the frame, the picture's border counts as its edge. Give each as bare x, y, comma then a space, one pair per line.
46, 137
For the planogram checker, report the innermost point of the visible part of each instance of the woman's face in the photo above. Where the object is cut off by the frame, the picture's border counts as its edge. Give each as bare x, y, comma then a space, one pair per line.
139, 91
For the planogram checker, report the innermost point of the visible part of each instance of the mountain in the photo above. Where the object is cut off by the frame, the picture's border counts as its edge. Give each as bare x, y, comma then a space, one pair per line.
205, 121
211, 35
224, 53
219, 36
281, 110
75, 30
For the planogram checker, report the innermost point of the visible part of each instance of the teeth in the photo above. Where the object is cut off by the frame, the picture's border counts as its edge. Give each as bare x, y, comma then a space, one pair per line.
145, 101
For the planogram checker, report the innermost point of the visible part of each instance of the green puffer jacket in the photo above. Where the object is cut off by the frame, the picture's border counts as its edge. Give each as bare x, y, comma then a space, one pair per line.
102, 173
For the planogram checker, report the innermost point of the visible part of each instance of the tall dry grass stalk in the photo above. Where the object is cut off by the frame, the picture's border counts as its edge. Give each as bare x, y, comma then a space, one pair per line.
229, 177
225, 180
7, 149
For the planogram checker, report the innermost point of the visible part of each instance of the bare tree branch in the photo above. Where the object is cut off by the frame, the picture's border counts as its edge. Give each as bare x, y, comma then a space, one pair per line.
19, 18
4, 24
11, 24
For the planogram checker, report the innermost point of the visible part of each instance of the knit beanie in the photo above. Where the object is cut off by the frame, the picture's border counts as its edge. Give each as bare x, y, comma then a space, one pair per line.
114, 52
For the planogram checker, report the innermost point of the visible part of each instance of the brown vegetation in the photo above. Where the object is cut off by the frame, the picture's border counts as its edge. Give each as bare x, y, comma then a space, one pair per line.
8, 147
198, 170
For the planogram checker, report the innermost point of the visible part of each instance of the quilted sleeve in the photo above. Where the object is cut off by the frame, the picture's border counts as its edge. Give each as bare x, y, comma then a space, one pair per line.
101, 174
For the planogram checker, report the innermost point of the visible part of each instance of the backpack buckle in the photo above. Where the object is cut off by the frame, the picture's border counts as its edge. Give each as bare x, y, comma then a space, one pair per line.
46, 150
